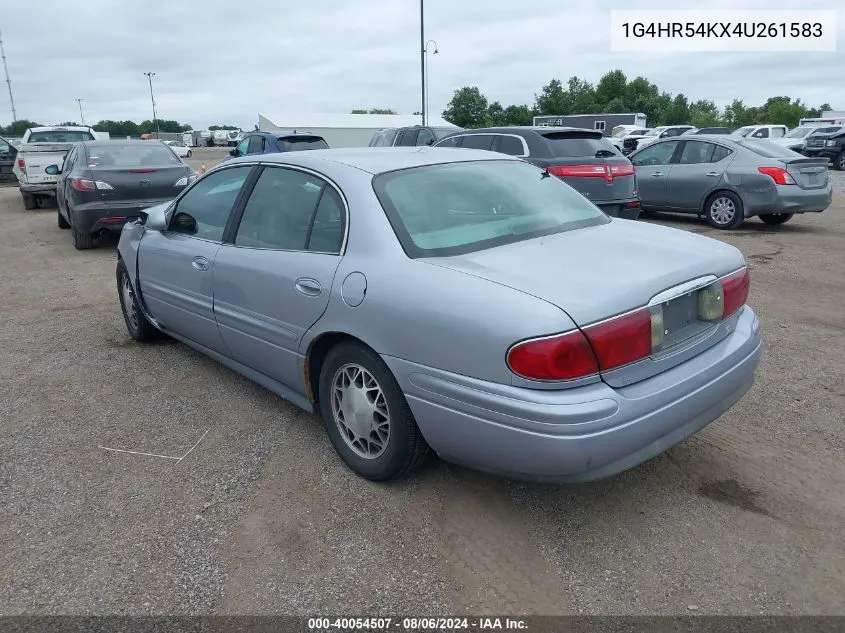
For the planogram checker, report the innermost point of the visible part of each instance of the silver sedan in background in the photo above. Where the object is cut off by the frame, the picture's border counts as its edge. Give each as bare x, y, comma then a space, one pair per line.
466, 302
727, 179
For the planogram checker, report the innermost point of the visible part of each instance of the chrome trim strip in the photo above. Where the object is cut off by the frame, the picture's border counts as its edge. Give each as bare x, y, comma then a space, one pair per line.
681, 289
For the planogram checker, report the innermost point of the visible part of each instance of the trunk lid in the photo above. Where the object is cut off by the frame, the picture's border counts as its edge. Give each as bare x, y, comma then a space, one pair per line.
808, 173
139, 183
599, 272
610, 175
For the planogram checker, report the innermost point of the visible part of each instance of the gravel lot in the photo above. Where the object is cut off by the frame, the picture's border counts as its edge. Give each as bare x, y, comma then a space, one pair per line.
261, 517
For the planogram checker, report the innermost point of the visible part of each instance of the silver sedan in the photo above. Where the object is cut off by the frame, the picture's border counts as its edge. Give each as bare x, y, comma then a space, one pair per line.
728, 179
465, 302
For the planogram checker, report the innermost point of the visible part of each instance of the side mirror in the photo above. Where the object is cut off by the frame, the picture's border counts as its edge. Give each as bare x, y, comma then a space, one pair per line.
184, 223
156, 218
52, 170
233, 152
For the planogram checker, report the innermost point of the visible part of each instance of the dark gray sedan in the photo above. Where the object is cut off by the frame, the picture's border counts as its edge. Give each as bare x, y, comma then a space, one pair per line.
104, 184
728, 179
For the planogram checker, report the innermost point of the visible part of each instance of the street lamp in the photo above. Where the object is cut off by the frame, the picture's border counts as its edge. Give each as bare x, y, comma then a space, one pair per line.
422, 58
152, 98
427, 93
81, 116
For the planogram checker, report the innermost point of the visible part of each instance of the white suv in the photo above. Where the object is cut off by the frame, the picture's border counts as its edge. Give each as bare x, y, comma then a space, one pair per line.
664, 131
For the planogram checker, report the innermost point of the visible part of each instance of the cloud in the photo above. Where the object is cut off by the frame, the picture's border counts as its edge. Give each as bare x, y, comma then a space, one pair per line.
223, 61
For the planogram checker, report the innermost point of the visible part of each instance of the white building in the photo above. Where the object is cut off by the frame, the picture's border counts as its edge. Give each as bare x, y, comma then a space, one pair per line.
343, 130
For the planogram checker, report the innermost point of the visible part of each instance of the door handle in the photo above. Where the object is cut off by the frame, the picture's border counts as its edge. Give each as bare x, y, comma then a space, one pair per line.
200, 263
657, 174
307, 286
712, 173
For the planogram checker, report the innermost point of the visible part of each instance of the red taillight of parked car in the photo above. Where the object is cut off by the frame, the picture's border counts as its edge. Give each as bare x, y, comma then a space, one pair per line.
778, 174
736, 287
560, 357
21, 163
623, 339
608, 172
83, 184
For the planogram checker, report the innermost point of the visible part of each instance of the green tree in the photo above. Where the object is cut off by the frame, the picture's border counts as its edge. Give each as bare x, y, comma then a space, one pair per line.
468, 108
611, 88
495, 115
704, 113
583, 97
373, 111
615, 106
518, 115
553, 99
217, 127
17, 128
678, 113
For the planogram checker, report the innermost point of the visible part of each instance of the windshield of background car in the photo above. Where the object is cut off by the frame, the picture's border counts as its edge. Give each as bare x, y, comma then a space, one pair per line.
440, 132
296, 143
768, 149
654, 132
743, 131
117, 156
457, 208
799, 132
570, 144
60, 137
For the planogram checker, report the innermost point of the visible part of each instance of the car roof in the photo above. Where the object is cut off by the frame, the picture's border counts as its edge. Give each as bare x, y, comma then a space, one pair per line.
115, 142
60, 128
540, 129
377, 160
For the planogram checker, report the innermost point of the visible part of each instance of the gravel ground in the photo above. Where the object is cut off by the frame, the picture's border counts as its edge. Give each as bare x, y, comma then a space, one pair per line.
261, 517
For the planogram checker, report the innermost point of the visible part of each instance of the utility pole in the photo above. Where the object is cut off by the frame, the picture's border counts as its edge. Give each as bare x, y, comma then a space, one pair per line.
81, 116
152, 98
8, 82
422, 57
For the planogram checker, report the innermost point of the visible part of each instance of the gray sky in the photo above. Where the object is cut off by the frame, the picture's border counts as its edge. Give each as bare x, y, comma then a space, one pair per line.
225, 61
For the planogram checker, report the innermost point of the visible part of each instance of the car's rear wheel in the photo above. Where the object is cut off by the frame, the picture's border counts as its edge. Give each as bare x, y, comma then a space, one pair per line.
366, 415
137, 324
839, 163
29, 201
189, 154
724, 210
81, 241
63, 224
776, 218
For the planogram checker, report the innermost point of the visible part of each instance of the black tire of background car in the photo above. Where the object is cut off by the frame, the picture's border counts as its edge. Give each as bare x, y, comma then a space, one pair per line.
839, 163
63, 224
739, 215
189, 153
145, 332
406, 448
81, 241
29, 201
776, 218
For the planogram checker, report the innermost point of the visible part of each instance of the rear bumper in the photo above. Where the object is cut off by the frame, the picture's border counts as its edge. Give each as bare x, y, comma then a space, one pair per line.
584, 433
620, 209
48, 189
788, 199
94, 217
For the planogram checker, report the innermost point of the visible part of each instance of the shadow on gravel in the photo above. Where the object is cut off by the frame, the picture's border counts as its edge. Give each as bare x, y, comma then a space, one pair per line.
732, 493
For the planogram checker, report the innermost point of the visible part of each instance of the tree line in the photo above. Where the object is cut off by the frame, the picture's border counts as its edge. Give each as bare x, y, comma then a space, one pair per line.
614, 93
114, 128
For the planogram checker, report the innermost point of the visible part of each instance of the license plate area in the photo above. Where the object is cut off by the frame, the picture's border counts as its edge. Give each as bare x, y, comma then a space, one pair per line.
680, 322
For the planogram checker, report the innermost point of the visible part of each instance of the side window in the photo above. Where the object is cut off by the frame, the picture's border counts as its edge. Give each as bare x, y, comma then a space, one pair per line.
256, 144
425, 137
720, 153
204, 210
696, 152
761, 133
279, 210
778, 132
5, 148
599, 125
241, 149
70, 160
407, 138
655, 154
452, 141
478, 141
510, 145
326, 234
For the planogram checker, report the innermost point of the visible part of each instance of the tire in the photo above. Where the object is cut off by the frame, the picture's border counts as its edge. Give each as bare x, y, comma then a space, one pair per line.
403, 448
188, 155
29, 201
724, 211
776, 218
63, 224
81, 241
139, 327
839, 163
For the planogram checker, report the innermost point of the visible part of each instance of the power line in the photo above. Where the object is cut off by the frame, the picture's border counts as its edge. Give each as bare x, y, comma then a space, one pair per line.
8, 81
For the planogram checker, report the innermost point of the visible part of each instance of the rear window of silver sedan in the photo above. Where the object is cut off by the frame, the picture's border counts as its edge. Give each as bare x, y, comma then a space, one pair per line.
456, 208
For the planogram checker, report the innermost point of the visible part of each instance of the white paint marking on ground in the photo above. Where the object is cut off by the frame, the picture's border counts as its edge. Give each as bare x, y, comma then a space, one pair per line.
120, 450
195, 445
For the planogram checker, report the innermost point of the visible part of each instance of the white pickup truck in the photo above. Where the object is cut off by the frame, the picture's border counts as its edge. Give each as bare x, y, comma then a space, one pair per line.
40, 147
